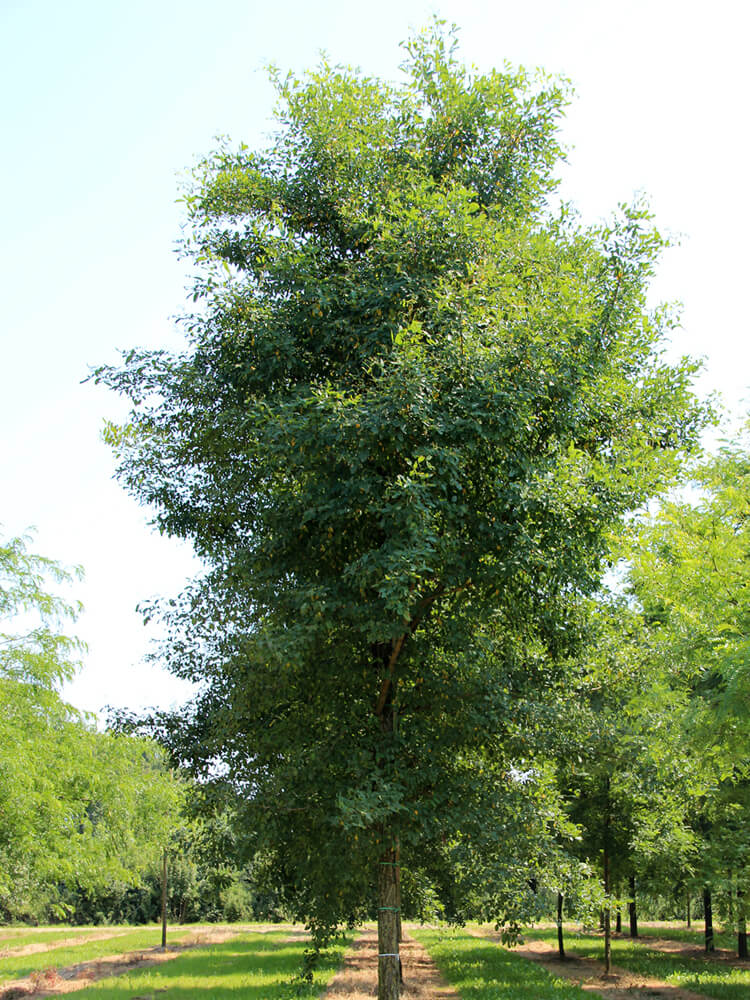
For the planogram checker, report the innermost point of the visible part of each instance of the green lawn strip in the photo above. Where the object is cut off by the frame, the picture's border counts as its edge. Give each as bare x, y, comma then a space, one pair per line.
250, 967
17, 966
27, 935
722, 939
481, 969
712, 978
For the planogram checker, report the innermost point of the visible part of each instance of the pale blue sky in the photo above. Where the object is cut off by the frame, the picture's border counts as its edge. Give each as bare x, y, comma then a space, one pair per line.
106, 103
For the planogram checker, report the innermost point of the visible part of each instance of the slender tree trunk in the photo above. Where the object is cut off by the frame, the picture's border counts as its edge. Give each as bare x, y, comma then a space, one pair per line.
618, 921
389, 894
688, 909
164, 899
607, 906
741, 926
709, 919
560, 942
399, 928
633, 910
607, 914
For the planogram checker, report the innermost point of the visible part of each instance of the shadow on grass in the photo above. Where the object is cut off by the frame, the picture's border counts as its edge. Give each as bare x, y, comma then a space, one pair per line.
251, 966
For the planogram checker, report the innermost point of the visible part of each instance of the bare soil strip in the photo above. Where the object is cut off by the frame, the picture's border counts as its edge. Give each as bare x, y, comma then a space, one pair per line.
358, 977
77, 977
590, 975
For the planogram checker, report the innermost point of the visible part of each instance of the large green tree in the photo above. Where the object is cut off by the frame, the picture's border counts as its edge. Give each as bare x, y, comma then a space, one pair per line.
413, 400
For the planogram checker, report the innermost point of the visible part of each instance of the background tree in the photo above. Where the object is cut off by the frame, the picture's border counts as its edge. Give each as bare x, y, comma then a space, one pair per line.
412, 402
80, 809
690, 572
624, 773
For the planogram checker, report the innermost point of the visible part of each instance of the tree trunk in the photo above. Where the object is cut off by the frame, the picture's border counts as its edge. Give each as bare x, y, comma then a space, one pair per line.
688, 909
618, 921
164, 899
632, 909
741, 926
399, 928
389, 971
607, 916
607, 905
709, 919
560, 943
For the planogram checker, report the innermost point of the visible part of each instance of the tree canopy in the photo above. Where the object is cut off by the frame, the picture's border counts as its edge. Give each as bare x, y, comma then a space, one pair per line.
415, 397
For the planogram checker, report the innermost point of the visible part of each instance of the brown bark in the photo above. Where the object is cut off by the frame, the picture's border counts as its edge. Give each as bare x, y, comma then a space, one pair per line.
389, 880
560, 942
632, 909
688, 910
607, 914
607, 883
164, 899
389, 971
741, 926
709, 919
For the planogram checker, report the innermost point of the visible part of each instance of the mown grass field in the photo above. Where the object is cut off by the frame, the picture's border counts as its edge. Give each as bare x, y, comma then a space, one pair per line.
715, 979
258, 966
17, 937
251, 966
18, 966
694, 935
480, 969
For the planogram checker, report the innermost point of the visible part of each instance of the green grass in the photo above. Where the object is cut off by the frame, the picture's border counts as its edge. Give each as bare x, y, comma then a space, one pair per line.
17, 966
483, 970
250, 966
714, 979
18, 937
694, 935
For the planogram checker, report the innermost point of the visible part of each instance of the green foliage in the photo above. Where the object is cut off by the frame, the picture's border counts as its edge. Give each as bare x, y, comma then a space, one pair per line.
623, 769
413, 402
79, 808
690, 573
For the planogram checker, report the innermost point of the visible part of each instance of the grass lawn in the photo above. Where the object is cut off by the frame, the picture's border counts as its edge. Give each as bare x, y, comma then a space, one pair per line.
483, 970
695, 935
714, 979
17, 966
251, 966
17, 937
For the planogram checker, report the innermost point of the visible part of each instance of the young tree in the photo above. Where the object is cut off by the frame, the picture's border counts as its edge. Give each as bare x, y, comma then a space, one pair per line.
413, 402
